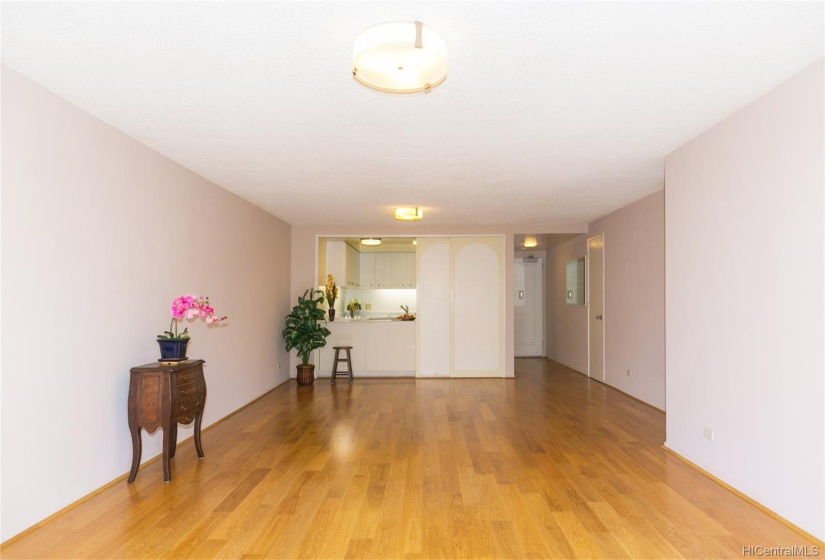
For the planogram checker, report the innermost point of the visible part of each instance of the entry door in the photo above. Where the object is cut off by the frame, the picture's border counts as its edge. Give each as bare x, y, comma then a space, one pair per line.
529, 305
595, 307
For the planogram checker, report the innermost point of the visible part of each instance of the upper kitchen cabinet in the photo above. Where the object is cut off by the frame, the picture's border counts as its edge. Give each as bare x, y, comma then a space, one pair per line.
411, 270
383, 270
339, 259
402, 270
336, 262
353, 268
367, 268
367, 277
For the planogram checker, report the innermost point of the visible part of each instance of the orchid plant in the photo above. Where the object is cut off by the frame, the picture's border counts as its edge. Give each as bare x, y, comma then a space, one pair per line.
189, 306
331, 291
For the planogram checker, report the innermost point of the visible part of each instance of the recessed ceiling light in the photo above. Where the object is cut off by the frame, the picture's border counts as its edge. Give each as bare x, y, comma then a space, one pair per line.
408, 214
415, 241
370, 241
399, 57
530, 242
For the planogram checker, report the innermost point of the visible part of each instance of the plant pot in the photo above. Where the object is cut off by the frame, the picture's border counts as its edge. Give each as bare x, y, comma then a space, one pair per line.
332, 314
306, 374
352, 313
173, 350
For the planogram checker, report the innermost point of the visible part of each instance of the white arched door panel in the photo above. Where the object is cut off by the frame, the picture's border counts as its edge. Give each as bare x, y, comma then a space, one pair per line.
478, 307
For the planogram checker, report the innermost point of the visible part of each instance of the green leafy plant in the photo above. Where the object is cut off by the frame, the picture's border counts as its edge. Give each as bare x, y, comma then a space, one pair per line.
303, 330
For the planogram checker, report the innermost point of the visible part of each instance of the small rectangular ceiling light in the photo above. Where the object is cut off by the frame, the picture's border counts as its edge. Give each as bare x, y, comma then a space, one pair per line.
370, 241
408, 214
529, 242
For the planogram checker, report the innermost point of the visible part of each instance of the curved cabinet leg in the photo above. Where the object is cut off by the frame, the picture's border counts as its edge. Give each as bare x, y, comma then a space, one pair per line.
198, 447
137, 448
167, 436
173, 439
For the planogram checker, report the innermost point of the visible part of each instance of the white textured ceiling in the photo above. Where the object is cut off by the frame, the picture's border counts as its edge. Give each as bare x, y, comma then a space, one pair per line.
551, 111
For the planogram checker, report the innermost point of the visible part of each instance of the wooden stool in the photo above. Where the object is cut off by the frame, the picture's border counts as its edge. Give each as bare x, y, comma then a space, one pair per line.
347, 359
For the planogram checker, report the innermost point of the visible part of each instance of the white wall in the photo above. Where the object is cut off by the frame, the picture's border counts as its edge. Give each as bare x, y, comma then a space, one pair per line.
744, 249
99, 235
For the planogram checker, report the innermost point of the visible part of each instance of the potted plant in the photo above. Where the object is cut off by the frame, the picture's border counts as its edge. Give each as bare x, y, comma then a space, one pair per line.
172, 344
331, 292
353, 306
304, 332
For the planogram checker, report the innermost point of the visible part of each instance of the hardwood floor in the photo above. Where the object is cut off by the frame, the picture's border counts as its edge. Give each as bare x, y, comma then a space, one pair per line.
549, 464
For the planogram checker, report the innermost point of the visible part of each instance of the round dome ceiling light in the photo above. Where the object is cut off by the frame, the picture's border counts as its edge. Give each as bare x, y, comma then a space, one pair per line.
399, 57
371, 241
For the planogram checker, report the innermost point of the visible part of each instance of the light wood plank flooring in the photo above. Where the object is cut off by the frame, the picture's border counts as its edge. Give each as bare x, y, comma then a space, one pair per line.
546, 465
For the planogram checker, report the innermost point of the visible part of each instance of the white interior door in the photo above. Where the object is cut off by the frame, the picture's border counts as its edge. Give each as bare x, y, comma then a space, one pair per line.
595, 307
529, 308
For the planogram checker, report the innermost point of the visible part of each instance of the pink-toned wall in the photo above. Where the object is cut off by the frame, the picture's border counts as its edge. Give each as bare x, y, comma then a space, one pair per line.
634, 298
566, 324
745, 273
304, 248
634, 301
99, 234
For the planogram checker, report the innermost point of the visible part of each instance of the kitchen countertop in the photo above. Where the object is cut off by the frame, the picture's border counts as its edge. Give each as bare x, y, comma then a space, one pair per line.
380, 321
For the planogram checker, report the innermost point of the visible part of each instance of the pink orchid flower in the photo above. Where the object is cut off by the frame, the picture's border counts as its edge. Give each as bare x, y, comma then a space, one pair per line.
190, 306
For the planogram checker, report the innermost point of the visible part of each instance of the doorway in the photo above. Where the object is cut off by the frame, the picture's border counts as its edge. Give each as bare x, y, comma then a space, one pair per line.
529, 307
595, 307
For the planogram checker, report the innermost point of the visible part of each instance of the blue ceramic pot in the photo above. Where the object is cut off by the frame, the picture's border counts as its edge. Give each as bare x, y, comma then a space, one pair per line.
173, 349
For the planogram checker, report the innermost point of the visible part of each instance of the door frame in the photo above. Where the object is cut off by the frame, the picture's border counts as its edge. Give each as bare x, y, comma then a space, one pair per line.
588, 277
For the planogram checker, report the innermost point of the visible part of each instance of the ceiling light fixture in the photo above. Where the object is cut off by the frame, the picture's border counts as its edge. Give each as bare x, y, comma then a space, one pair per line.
408, 214
399, 57
530, 242
371, 241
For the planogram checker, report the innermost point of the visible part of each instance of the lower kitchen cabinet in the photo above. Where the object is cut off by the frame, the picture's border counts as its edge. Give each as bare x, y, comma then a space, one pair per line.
391, 348
378, 347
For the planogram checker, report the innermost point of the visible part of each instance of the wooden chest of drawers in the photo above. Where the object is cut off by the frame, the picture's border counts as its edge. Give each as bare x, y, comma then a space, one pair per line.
161, 397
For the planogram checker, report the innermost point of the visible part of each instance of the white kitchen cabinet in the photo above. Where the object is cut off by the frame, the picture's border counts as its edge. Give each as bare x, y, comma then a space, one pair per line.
383, 270
386, 270
367, 270
390, 348
410, 270
354, 335
398, 270
337, 262
343, 263
378, 348
353, 268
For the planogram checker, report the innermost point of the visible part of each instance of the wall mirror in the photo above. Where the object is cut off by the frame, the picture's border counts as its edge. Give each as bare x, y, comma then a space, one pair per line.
574, 294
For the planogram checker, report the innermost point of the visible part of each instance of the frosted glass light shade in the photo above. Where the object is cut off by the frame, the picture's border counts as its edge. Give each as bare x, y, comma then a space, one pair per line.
371, 241
530, 241
408, 214
385, 57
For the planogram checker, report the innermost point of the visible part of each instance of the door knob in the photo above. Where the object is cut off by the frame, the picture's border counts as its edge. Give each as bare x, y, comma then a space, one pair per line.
599, 317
